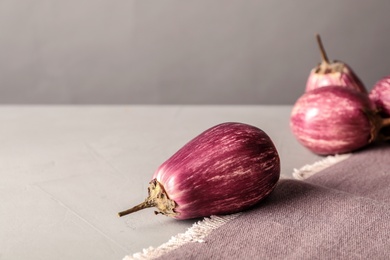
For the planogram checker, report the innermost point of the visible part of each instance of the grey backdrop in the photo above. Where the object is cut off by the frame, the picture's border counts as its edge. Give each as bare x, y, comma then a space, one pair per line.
182, 52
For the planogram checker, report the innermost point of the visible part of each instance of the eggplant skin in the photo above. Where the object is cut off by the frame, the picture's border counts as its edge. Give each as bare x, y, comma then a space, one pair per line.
338, 74
332, 120
380, 95
226, 169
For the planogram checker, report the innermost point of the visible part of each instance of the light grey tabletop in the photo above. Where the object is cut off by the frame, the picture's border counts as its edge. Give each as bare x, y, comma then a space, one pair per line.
67, 170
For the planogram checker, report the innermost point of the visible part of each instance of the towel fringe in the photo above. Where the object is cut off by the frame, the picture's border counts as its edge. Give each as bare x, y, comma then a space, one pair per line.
311, 169
203, 228
196, 233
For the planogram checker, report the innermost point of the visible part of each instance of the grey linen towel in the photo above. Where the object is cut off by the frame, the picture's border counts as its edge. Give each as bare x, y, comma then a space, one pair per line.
366, 173
343, 213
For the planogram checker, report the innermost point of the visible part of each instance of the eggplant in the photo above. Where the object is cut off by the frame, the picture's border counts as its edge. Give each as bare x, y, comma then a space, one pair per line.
335, 120
226, 169
333, 73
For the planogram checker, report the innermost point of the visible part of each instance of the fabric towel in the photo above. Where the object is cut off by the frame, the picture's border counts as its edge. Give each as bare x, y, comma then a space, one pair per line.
366, 173
342, 212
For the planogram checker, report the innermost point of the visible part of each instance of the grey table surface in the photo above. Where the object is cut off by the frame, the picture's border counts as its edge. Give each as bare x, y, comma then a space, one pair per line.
65, 172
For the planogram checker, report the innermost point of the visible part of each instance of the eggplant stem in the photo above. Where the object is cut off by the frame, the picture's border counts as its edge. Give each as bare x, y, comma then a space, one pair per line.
385, 122
157, 197
324, 56
143, 205
383, 138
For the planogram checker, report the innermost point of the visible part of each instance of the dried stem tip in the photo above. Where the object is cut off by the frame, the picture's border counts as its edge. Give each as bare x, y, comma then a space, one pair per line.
324, 56
157, 198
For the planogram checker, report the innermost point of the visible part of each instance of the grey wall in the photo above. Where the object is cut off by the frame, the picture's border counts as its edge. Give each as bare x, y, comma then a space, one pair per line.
178, 51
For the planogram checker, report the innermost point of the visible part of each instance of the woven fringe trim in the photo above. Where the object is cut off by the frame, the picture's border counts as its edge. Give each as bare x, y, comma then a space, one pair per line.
196, 233
309, 170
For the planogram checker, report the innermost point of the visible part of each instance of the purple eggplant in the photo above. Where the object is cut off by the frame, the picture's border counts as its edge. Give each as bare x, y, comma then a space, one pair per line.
335, 120
333, 73
226, 169
380, 95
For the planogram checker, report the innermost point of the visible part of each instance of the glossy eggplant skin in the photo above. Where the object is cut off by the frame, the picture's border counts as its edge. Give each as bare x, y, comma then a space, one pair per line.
333, 120
335, 74
226, 169
380, 95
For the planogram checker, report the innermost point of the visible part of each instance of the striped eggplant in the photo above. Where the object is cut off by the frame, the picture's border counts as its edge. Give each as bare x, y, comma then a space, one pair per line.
380, 95
335, 120
226, 169
333, 73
